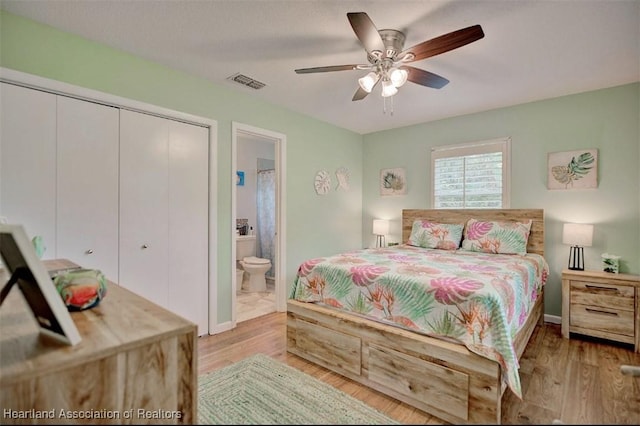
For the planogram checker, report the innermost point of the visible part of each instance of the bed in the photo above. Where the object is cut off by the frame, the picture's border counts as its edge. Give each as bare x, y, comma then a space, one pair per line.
400, 330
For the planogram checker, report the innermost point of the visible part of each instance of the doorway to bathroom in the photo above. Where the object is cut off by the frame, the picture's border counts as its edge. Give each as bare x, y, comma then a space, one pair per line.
258, 285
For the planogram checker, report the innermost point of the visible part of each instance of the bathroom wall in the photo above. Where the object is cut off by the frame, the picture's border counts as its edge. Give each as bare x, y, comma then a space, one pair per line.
248, 150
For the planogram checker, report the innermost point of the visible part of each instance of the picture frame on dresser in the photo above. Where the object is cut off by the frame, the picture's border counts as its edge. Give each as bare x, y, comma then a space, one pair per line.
26, 270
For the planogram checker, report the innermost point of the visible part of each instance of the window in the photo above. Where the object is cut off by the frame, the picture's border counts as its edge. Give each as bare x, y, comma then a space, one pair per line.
471, 175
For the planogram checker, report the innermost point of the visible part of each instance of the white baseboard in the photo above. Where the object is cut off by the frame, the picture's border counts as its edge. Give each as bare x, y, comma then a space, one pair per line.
225, 326
553, 319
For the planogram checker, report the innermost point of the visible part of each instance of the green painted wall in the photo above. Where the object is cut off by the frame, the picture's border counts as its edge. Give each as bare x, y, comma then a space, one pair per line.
607, 119
316, 225
319, 225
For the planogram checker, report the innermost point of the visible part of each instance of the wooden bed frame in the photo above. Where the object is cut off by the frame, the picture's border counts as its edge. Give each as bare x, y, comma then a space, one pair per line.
439, 377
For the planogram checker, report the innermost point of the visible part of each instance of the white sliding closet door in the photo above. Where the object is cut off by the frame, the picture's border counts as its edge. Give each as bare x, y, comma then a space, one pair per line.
28, 162
164, 211
87, 208
188, 222
144, 213
112, 189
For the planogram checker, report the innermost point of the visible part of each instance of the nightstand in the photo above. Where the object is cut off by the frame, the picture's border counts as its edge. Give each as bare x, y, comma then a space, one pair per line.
601, 304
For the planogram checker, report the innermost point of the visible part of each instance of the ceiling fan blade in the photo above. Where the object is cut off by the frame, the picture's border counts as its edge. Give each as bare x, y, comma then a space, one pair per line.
444, 43
327, 69
425, 78
367, 33
360, 94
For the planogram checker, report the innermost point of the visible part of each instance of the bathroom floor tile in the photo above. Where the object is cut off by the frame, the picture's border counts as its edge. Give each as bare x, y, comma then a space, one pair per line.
254, 304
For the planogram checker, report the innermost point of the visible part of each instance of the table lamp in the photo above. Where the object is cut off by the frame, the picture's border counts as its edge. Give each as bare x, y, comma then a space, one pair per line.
380, 229
578, 236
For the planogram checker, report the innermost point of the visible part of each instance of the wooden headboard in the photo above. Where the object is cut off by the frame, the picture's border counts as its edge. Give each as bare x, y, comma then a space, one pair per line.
536, 237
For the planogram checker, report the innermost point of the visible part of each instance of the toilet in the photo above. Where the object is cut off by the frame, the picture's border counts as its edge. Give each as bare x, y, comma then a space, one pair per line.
255, 267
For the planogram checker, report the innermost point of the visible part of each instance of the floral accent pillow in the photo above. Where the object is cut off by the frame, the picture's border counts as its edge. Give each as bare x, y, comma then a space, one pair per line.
445, 236
496, 236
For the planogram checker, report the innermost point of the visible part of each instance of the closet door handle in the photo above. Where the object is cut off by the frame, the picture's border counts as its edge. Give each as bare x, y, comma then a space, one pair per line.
144, 246
90, 251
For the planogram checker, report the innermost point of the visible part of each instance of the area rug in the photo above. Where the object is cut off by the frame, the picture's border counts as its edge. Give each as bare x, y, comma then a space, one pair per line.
261, 390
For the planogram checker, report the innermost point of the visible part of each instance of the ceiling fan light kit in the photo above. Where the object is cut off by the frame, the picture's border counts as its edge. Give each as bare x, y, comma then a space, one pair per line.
368, 81
388, 61
398, 76
388, 89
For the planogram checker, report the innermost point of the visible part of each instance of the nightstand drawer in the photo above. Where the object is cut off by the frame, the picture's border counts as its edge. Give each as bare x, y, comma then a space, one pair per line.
603, 319
602, 305
609, 296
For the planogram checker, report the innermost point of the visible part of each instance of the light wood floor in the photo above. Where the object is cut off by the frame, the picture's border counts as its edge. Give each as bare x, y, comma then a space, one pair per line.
577, 381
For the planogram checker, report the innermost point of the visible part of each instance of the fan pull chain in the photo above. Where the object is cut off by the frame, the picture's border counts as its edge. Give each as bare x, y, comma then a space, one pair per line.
384, 105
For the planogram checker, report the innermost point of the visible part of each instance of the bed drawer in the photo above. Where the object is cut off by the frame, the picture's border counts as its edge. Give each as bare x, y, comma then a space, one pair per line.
444, 389
339, 351
611, 296
604, 319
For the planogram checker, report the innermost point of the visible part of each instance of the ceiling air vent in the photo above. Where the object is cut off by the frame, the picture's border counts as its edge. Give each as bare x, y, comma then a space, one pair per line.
246, 81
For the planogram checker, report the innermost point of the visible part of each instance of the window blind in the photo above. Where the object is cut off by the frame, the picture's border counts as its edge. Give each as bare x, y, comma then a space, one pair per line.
471, 176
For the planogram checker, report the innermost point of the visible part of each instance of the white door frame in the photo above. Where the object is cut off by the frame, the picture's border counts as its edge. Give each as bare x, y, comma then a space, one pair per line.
280, 251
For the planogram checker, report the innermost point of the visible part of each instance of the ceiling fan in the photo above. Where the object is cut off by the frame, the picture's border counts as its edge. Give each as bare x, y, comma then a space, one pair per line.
388, 59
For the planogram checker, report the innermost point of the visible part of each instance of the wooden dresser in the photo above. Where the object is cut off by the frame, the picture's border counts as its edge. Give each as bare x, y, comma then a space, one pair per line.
136, 364
601, 304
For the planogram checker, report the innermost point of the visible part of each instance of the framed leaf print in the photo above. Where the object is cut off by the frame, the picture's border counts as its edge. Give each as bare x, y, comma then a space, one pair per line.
573, 169
393, 182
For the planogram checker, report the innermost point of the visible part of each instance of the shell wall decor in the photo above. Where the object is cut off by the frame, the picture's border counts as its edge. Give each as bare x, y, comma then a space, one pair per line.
322, 182
342, 175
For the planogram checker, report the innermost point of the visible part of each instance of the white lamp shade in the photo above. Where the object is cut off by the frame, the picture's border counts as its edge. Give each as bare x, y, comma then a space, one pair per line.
368, 81
388, 89
577, 234
398, 76
380, 227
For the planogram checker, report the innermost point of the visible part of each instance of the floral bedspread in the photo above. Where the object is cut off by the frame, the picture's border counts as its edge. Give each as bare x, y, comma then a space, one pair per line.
478, 299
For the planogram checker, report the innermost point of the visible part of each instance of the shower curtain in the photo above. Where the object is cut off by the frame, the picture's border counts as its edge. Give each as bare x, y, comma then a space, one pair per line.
266, 212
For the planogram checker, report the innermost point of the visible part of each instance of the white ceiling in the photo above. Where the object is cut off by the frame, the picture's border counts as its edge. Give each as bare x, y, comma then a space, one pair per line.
531, 50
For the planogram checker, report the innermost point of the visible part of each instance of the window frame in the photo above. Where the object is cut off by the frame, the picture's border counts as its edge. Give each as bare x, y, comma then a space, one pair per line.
488, 146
